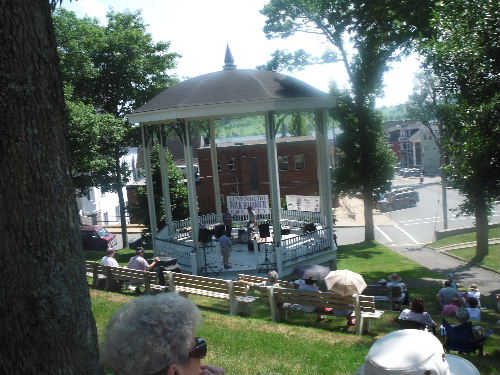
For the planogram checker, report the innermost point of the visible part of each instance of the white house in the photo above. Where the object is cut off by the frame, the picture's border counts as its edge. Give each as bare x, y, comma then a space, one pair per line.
103, 208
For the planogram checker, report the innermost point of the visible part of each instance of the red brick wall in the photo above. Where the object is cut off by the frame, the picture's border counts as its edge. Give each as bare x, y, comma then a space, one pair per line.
239, 181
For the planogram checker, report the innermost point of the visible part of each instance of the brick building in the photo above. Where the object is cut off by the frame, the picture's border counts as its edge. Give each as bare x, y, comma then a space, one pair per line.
243, 169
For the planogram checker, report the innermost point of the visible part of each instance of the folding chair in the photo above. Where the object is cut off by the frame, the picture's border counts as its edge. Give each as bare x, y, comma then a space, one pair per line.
411, 324
459, 338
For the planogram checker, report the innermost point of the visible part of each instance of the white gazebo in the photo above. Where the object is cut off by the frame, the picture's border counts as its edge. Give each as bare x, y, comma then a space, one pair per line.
235, 93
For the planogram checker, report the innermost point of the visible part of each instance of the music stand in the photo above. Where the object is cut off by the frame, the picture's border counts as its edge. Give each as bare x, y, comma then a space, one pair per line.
206, 265
267, 262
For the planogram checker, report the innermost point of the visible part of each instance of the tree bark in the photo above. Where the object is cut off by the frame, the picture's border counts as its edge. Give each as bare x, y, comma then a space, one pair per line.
47, 323
482, 231
368, 211
121, 202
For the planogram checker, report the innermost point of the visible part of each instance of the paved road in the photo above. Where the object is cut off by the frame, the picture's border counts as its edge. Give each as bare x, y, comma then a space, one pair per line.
416, 225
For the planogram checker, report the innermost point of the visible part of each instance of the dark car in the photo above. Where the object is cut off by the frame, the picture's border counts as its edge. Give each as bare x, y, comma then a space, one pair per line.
95, 237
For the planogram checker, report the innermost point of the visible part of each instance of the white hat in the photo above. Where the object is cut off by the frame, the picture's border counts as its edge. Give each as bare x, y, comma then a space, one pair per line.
413, 352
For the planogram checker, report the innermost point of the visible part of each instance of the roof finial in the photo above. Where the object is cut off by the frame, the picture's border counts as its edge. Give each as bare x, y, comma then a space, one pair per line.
228, 60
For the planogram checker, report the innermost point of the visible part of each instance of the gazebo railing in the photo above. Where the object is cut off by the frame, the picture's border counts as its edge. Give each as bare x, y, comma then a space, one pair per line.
291, 218
303, 246
183, 252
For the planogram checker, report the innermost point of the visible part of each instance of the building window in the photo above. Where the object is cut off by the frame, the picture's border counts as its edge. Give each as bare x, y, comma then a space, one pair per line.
219, 166
283, 163
117, 213
299, 161
230, 164
106, 218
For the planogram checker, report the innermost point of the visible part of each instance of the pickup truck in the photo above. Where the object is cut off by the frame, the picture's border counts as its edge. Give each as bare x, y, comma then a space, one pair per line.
397, 199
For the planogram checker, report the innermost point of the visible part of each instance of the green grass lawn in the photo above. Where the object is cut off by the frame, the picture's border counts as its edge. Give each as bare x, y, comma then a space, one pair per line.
466, 237
255, 345
491, 260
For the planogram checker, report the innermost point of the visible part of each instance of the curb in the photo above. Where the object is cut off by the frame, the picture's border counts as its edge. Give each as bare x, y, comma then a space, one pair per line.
445, 252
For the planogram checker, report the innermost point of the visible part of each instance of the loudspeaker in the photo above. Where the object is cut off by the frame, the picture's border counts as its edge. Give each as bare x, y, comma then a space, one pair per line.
204, 235
309, 227
264, 230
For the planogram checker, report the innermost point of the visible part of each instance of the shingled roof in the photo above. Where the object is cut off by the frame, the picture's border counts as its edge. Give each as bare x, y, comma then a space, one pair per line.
231, 91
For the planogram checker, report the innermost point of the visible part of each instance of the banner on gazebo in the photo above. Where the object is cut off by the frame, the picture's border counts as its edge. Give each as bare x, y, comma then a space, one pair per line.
303, 202
237, 204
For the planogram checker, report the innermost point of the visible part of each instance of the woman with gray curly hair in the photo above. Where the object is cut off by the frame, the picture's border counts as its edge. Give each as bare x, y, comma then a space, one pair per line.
156, 335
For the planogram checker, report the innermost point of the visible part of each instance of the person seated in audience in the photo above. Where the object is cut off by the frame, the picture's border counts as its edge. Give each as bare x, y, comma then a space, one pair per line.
450, 309
462, 316
475, 293
156, 335
446, 294
108, 259
412, 351
473, 309
417, 313
395, 280
310, 285
137, 262
272, 280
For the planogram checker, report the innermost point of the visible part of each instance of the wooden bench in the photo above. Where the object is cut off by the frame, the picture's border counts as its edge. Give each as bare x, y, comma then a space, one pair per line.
210, 287
390, 294
282, 300
113, 276
260, 279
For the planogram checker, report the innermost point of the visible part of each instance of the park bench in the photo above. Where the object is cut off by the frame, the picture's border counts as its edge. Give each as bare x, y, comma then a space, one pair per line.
113, 277
260, 279
390, 294
282, 300
185, 284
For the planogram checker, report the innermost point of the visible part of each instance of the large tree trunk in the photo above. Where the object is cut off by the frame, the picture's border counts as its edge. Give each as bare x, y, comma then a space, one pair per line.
482, 230
121, 202
368, 211
47, 324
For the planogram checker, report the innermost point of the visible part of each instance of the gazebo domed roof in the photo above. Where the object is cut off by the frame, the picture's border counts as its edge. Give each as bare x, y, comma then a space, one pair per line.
231, 86
231, 92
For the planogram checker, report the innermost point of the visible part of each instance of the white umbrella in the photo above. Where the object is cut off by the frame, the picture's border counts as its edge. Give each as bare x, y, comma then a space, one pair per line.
345, 282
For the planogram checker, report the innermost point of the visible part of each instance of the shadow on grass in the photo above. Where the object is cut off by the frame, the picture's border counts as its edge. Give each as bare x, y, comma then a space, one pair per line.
363, 250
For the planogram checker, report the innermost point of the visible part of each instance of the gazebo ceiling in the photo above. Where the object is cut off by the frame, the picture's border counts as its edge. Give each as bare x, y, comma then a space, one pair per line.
231, 92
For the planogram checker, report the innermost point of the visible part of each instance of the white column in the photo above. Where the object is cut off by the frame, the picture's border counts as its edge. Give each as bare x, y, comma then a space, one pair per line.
165, 180
215, 170
146, 145
272, 162
191, 186
324, 178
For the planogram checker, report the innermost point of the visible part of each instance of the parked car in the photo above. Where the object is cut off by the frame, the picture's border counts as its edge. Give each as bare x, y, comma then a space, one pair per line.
398, 198
96, 237
412, 172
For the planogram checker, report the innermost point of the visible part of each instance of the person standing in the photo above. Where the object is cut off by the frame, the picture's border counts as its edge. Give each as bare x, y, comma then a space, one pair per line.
252, 218
227, 218
225, 247
108, 259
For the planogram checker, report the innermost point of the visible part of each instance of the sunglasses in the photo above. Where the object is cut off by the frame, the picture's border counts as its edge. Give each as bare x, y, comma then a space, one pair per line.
200, 348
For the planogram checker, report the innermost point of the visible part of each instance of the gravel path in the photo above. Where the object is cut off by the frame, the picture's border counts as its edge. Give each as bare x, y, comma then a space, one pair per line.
465, 274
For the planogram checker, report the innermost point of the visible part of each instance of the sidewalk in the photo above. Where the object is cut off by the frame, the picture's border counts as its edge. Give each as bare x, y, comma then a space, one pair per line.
464, 273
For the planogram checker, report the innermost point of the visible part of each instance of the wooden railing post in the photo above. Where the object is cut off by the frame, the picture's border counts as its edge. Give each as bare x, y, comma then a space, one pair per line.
109, 280
273, 304
95, 274
358, 314
233, 303
171, 281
